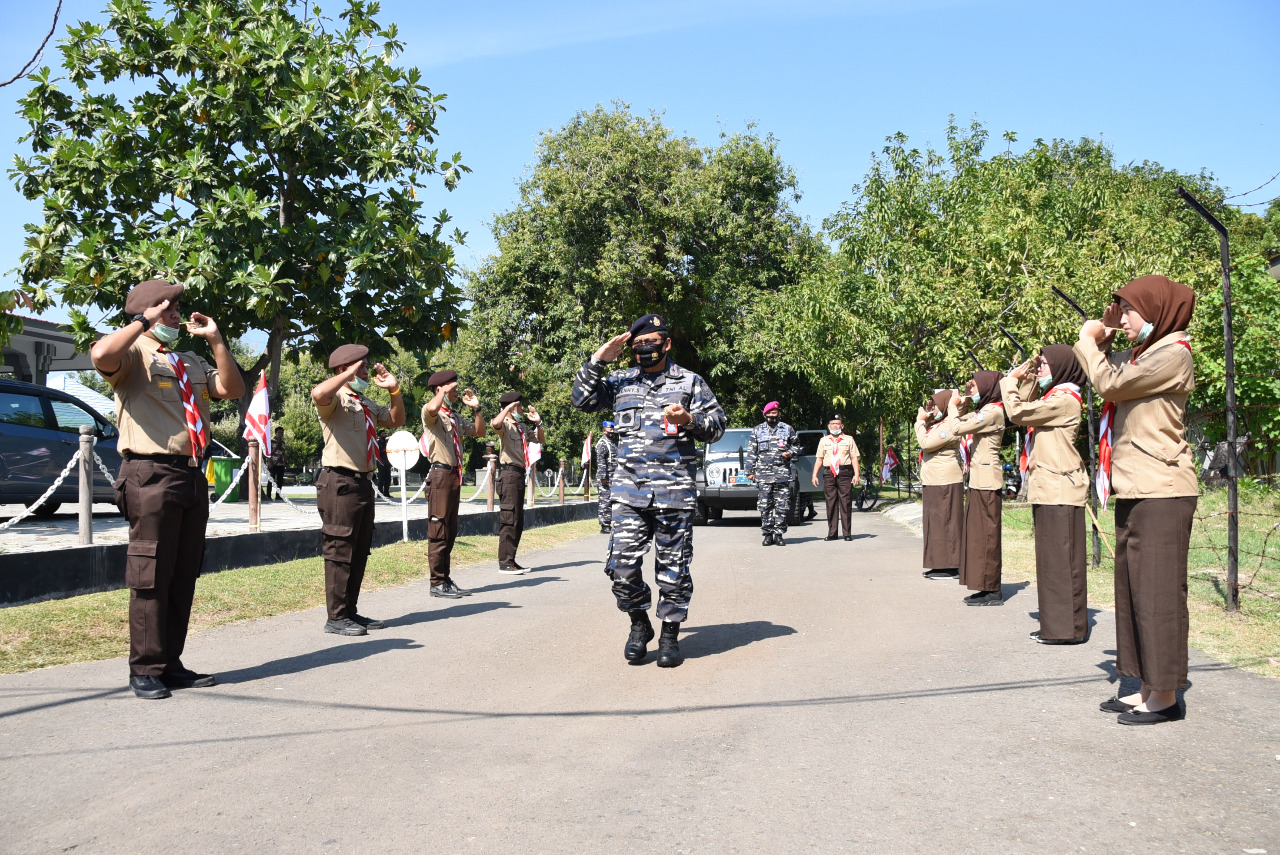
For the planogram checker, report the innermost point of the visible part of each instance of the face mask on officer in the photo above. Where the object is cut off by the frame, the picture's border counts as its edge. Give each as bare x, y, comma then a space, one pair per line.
772, 419
166, 335
835, 431
648, 354
1145, 332
1045, 381
359, 385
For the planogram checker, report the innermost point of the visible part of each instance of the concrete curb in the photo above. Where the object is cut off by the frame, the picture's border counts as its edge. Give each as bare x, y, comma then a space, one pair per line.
25, 577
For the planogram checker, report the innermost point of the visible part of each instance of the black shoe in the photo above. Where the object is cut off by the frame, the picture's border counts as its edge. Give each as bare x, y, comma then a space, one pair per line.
1036, 636
941, 574
848, 537
446, 589
368, 623
778, 541
461, 592
604, 529
510, 570
518, 565
985, 598
641, 634
1173, 713
768, 540
668, 647
1114, 704
184, 678
830, 537
344, 626
148, 687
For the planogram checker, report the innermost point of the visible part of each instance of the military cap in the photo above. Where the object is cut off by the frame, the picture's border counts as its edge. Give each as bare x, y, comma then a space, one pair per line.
836, 417
649, 324
770, 407
151, 293
347, 354
608, 424
440, 378
510, 398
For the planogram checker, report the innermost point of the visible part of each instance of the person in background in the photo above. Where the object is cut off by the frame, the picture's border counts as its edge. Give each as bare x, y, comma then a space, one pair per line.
277, 464
981, 430
513, 462
772, 447
606, 460
384, 465
442, 433
838, 455
942, 489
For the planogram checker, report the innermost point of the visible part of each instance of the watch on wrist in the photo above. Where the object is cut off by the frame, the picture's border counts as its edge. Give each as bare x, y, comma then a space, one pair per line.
142, 319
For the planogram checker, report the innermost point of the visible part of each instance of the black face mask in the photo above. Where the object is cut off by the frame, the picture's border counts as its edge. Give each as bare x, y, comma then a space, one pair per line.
772, 421
648, 355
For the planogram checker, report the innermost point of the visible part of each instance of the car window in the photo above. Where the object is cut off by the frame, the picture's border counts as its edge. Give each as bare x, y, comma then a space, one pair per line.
809, 439
18, 409
69, 417
731, 442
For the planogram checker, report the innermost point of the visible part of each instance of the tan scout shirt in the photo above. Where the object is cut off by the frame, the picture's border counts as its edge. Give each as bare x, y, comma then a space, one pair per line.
987, 428
342, 424
843, 449
941, 464
511, 447
440, 432
152, 419
1150, 457
1055, 472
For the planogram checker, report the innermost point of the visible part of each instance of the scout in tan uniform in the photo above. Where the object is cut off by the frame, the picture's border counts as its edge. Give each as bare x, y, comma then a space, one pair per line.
1057, 486
163, 401
982, 433
838, 455
442, 432
942, 490
512, 457
344, 492
1154, 482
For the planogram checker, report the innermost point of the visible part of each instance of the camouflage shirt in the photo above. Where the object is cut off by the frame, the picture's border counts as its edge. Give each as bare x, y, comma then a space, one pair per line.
654, 469
606, 458
765, 449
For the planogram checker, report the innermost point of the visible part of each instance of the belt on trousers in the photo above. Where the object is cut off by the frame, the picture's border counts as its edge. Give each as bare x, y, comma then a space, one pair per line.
444, 466
172, 459
511, 466
350, 473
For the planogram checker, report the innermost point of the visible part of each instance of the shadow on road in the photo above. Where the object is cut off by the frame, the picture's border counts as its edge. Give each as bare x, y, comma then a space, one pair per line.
698, 641
525, 582
542, 568
336, 655
462, 609
1011, 590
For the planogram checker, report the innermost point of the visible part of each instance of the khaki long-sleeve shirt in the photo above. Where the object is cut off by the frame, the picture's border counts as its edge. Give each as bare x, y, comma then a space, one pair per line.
987, 428
1055, 472
149, 400
941, 461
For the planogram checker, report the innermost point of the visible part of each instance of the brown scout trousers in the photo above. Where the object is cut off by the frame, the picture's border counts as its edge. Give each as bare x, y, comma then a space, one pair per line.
346, 510
980, 559
1062, 579
943, 526
838, 492
443, 495
1152, 539
167, 505
511, 518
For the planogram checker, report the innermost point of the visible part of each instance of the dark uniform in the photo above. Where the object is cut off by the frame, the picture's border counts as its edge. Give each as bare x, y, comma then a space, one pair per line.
442, 445
652, 489
162, 492
606, 461
513, 473
772, 471
344, 496
277, 463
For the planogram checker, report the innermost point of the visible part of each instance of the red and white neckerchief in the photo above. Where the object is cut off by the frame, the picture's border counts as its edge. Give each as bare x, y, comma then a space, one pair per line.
372, 452
196, 429
1102, 480
454, 429
966, 444
524, 446
1024, 458
835, 455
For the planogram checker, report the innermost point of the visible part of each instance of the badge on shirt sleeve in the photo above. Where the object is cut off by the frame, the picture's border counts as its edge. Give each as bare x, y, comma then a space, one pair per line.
164, 384
204, 393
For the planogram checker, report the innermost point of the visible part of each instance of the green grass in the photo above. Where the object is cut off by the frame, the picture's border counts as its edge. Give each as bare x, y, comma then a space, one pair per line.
96, 626
1248, 639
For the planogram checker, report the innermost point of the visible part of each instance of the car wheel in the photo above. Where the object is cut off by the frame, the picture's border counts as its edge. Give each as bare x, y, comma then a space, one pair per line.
47, 509
700, 513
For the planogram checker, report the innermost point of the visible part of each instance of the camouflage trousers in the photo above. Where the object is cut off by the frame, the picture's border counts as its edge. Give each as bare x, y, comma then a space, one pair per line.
671, 532
773, 503
605, 512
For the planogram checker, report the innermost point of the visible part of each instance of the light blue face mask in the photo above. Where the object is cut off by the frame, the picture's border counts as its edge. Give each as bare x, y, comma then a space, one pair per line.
976, 397
1145, 332
166, 335
359, 385
1045, 381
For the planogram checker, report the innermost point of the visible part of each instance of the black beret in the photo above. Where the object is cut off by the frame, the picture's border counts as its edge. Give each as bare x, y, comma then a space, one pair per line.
440, 378
347, 354
510, 398
649, 324
153, 292
836, 417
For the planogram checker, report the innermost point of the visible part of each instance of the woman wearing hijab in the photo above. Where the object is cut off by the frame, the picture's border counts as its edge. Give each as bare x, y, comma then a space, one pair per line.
1154, 482
1057, 487
943, 489
981, 432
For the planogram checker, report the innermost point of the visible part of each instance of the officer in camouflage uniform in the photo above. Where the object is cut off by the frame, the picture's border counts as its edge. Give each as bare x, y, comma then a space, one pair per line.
772, 447
606, 460
659, 410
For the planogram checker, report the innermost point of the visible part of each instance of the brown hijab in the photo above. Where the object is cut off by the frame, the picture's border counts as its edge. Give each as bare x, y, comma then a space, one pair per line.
1063, 364
988, 383
942, 399
1166, 304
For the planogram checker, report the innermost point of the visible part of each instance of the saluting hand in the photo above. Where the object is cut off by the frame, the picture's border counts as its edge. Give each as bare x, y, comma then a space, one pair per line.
534, 418
383, 378
469, 398
1022, 371
956, 399
200, 325
610, 350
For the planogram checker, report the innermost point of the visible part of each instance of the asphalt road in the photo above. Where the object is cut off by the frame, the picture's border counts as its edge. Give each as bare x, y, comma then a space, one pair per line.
832, 701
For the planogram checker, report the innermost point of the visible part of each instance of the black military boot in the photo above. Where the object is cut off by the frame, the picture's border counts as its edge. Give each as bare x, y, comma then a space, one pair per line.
668, 647
641, 635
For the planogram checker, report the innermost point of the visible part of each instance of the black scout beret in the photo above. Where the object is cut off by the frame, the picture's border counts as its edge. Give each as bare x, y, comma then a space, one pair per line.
347, 354
510, 398
151, 293
442, 377
649, 324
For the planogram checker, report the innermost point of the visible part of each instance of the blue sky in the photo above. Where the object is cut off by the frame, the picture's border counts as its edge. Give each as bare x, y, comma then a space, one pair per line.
1188, 85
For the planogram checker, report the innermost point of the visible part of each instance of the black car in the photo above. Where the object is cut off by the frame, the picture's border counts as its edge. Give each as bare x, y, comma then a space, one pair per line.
39, 432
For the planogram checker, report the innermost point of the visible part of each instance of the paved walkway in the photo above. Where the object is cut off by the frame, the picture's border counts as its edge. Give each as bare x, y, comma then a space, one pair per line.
832, 701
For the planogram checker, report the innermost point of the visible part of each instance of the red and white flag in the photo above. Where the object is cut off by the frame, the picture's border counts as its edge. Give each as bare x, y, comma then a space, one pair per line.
257, 422
890, 463
1102, 480
586, 450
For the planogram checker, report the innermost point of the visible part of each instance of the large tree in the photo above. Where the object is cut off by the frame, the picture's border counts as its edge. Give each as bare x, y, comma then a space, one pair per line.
271, 159
618, 217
